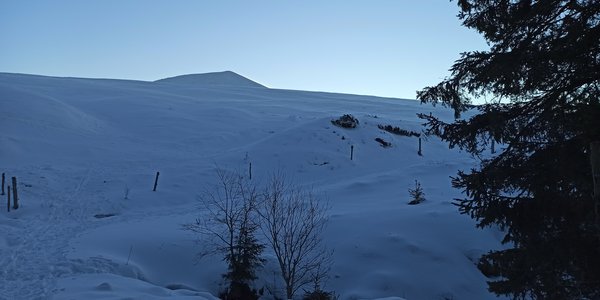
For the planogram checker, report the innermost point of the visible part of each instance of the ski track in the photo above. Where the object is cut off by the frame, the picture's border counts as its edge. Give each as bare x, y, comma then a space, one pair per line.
38, 244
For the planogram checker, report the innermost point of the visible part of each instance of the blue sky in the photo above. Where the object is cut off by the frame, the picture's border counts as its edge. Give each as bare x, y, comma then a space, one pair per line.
376, 47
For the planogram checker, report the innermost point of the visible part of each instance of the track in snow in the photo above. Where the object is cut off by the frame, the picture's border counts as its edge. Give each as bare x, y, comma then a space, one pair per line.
37, 244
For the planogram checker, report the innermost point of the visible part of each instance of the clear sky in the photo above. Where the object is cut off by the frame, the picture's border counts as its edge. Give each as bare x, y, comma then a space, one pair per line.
370, 47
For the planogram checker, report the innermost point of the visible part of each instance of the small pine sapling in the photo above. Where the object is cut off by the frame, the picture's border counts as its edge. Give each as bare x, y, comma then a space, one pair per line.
416, 194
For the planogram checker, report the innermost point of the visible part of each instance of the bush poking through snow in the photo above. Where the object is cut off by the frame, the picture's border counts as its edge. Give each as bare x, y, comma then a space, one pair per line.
102, 216
416, 194
319, 295
398, 130
383, 143
346, 121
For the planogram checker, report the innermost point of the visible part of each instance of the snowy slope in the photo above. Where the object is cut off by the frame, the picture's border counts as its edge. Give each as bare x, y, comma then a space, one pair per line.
79, 145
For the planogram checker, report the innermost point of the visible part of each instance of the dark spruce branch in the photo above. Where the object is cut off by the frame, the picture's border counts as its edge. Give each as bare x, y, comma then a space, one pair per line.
542, 76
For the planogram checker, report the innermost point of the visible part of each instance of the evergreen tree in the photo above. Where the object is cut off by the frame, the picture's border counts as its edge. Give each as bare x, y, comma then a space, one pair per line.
243, 262
416, 194
542, 78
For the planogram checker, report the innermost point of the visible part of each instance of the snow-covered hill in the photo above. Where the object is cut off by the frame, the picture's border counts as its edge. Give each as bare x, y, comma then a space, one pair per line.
78, 146
223, 79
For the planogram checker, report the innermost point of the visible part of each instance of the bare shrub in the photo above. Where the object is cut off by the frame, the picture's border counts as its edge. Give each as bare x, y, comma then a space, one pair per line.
293, 221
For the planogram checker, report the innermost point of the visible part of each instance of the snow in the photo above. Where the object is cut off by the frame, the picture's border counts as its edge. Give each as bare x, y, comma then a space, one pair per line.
78, 146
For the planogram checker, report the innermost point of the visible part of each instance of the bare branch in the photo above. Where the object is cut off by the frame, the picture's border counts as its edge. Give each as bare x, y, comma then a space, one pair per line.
293, 220
229, 224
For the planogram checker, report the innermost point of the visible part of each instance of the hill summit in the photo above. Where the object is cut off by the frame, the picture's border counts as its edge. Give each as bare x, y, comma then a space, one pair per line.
226, 78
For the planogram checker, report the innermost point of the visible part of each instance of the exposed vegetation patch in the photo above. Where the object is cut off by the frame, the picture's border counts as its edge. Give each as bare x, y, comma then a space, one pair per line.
102, 216
346, 121
383, 142
398, 130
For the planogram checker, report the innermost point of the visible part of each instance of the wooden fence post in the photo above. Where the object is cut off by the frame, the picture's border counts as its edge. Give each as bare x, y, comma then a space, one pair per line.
155, 181
250, 171
2, 184
129, 256
419, 152
351, 152
15, 195
493, 146
8, 200
595, 162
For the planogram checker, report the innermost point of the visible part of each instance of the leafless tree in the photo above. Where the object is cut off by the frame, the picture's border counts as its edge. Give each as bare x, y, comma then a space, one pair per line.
229, 225
293, 221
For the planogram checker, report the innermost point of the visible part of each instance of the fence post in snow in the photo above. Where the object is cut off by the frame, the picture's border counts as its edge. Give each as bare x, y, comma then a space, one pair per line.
129, 256
155, 181
2, 184
250, 171
15, 195
8, 200
493, 146
420, 153
351, 152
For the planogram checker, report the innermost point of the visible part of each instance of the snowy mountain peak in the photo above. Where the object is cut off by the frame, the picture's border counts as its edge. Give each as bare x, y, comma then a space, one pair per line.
226, 78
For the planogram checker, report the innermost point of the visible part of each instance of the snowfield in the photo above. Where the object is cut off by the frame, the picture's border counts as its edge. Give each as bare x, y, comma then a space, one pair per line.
79, 147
